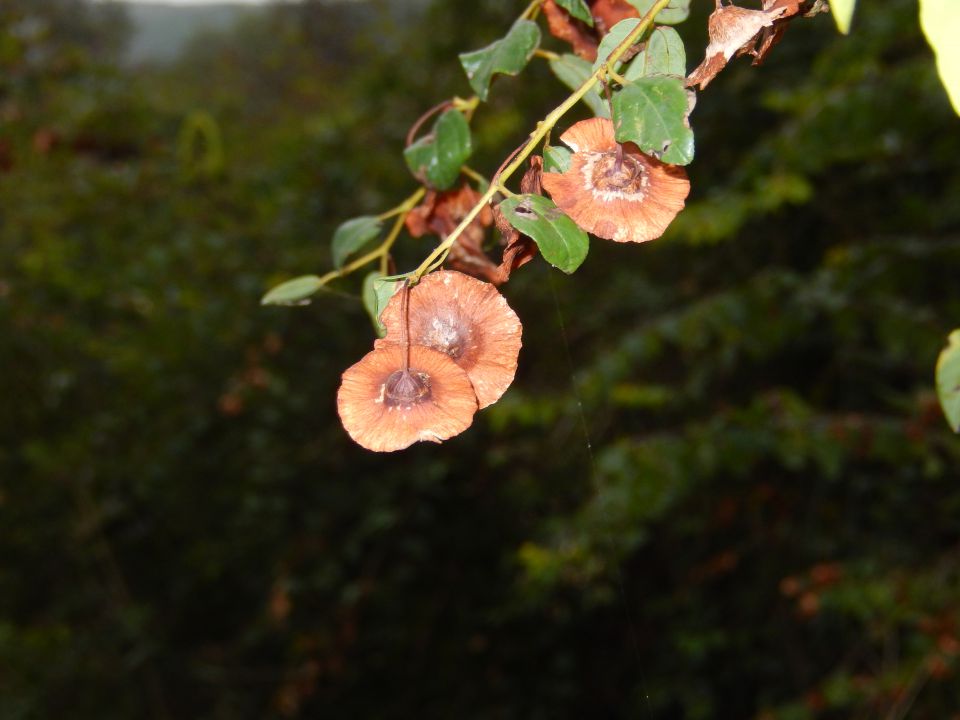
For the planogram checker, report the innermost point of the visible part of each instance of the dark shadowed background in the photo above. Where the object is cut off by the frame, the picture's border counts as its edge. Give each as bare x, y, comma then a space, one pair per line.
720, 486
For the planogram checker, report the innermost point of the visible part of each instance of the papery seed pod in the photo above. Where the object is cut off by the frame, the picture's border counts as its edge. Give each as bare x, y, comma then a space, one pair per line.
385, 407
617, 193
466, 319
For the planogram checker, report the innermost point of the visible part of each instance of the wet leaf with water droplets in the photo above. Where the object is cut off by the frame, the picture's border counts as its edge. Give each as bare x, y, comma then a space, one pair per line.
437, 158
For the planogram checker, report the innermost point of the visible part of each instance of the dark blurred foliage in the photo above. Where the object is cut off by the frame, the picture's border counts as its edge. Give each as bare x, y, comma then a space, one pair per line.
720, 487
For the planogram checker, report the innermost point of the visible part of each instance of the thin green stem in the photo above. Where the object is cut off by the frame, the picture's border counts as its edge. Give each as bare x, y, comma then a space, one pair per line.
391, 239
543, 129
474, 175
467, 106
532, 10
415, 128
546, 54
619, 79
403, 207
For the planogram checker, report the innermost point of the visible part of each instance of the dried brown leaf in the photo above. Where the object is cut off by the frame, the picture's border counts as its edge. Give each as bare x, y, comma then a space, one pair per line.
732, 30
530, 184
440, 213
582, 38
607, 13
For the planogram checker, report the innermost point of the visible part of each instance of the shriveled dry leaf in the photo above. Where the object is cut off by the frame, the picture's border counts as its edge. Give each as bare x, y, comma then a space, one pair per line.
530, 184
607, 13
518, 250
732, 31
440, 213
770, 36
563, 26
472, 260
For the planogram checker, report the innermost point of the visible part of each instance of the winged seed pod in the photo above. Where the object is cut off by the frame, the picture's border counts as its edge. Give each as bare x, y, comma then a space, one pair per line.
388, 402
466, 319
616, 191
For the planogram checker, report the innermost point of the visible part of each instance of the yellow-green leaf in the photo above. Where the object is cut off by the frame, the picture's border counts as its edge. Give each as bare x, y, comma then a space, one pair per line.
940, 20
843, 13
948, 380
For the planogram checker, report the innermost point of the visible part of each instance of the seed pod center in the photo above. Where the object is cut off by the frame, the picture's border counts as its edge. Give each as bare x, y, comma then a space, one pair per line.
405, 388
446, 334
610, 173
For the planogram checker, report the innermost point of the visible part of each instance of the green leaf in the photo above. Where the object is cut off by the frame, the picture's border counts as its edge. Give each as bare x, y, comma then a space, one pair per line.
351, 236
437, 158
556, 159
675, 12
573, 72
652, 112
377, 291
612, 39
662, 55
940, 20
948, 380
293, 292
507, 56
562, 243
843, 13
578, 9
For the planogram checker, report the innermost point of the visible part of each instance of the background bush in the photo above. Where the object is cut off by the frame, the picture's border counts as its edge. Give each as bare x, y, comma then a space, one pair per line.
720, 487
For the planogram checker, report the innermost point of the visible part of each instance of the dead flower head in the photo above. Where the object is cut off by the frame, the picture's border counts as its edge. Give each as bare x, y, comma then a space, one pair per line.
616, 191
386, 403
466, 319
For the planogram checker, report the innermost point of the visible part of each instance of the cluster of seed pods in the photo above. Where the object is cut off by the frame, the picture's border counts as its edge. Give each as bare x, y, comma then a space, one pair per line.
452, 341
451, 349
613, 190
